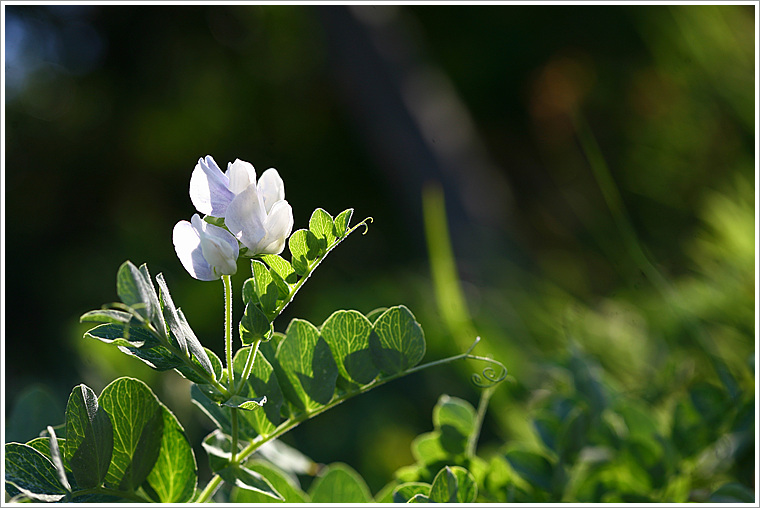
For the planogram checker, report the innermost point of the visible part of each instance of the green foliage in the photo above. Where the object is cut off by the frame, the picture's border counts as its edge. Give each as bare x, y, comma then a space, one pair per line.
149, 327
122, 444
126, 444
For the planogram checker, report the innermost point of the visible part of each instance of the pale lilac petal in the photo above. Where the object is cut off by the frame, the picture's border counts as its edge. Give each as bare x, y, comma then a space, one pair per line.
220, 249
271, 188
209, 188
187, 244
241, 174
245, 217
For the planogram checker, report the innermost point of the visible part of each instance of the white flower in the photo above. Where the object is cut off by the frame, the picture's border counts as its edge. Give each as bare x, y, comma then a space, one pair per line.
260, 217
256, 213
206, 251
211, 191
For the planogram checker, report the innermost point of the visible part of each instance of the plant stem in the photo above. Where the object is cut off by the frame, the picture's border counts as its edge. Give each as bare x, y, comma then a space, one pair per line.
234, 430
482, 406
209, 489
248, 366
228, 329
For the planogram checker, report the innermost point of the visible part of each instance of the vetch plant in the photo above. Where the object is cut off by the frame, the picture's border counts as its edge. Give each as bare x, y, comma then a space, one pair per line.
124, 444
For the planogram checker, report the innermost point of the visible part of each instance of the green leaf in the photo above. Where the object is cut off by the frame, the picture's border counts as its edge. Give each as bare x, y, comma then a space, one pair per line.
262, 382
194, 345
427, 448
397, 342
180, 328
89, 438
419, 498
455, 418
467, 488
175, 474
170, 314
304, 249
42, 445
322, 225
535, 469
376, 313
218, 414
266, 289
244, 478
406, 491
338, 483
733, 493
445, 486
108, 316
282, 268
247, 404
156, 317
342, 221
138, 425
282, 483
308, 369
190, 373
453, 485
158, 357
57, 459
347, 333
126, 335
31, 473
573, 434
219, 446
134, 290
254, 325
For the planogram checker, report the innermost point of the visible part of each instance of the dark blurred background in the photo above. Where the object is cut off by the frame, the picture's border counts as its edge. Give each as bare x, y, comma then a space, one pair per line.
597, 164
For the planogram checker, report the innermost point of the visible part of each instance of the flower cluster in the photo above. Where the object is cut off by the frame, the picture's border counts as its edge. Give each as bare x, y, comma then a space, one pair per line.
256, 218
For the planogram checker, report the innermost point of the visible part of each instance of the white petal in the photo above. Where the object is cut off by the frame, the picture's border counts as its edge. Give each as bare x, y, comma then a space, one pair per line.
187, 244
220, 248
271, 188
278, 225
241, 175
245, 217
209, 188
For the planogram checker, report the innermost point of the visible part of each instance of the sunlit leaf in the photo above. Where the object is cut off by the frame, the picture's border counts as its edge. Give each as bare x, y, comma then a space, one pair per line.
406, 491
342, 221
138, 424
31, 473
282, 483
89, 438
175, 474
347, 333
339, 483
308, 369
397, 342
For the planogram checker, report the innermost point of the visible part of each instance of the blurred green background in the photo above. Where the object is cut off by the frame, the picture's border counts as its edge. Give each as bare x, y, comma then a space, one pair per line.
597, 165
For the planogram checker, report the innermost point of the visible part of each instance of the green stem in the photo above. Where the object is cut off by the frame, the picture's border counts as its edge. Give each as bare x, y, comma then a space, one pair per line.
248, 366
228, 329
209, 489
234, 430
482, 406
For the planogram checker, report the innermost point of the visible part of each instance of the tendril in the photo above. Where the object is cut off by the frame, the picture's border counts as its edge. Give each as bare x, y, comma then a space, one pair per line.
488, 377
364, 223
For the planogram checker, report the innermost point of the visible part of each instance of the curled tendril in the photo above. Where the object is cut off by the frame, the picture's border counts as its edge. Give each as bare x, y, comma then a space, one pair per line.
365, 223
488, 377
